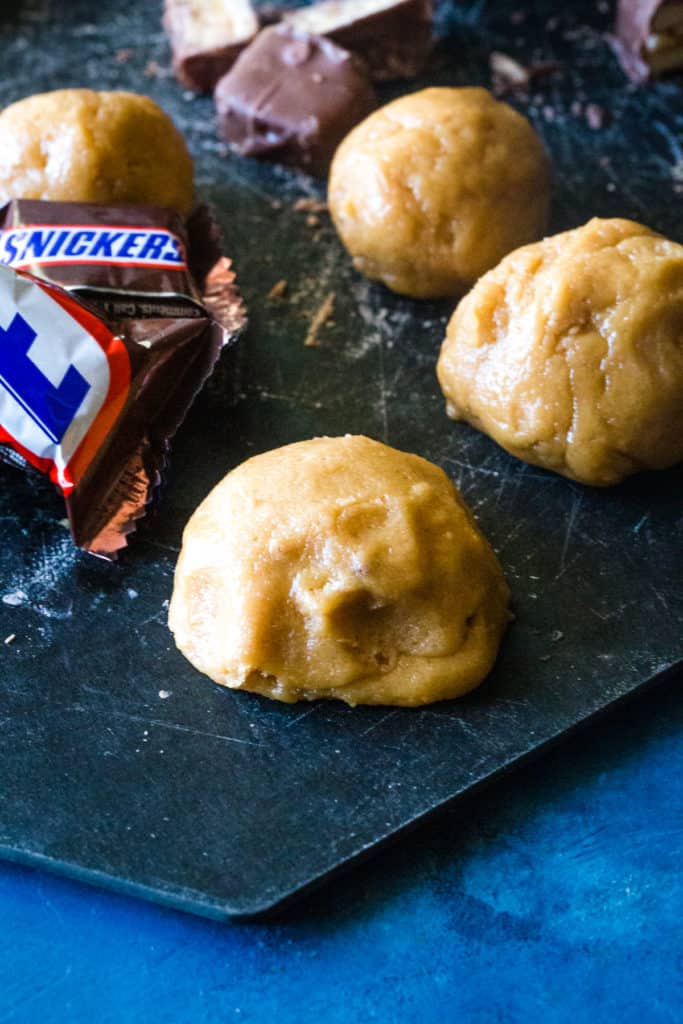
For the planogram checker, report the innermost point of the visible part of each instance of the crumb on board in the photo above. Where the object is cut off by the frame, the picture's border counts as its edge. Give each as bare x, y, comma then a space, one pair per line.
596, 116
507, 73
10, 639
276, 204
164, 694
278, 291
152, 69
319, 320
123, 55
312, 221
310, 206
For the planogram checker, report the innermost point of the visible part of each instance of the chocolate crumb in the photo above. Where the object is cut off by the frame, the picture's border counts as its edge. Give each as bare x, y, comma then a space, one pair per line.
123, 56
277, 291
313, 221
319, 320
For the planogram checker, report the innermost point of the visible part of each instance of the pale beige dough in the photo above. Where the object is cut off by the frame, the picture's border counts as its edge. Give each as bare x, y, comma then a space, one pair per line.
570, 353
76, 145
430, 191
339, 567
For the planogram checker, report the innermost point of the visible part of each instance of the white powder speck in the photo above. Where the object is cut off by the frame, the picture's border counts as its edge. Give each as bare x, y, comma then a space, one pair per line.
132, 594
163, 694
15, 598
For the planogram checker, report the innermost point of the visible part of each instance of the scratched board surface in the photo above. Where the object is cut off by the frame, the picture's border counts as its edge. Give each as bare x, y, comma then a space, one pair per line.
118, 762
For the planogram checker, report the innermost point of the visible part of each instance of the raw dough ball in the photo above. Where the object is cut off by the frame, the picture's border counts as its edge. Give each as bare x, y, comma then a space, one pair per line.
93, 147
339, 567
432, 190
570, 353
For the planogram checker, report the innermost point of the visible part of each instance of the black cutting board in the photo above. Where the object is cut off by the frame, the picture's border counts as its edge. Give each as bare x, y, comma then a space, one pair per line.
119, 763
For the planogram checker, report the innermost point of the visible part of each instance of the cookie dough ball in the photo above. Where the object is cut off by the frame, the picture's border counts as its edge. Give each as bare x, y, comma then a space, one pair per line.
339, 567
570, 353
93, 147
434, 189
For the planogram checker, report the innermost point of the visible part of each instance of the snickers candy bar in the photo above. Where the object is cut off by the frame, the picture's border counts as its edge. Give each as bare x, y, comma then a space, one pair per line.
292, 97
111, 319
394, 37
649, 37
87, 247
206, 36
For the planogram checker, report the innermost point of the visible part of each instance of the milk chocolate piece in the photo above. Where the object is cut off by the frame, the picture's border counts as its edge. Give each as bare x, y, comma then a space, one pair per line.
649, 37
206, 36
292, 97
393, 37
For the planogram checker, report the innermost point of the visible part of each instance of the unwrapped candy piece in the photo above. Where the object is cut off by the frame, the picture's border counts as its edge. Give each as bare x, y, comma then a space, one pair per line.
292, 97
206, 36
393, 37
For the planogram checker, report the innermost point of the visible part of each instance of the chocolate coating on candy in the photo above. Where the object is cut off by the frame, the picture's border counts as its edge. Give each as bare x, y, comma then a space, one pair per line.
393, 38
292, 97
649, 37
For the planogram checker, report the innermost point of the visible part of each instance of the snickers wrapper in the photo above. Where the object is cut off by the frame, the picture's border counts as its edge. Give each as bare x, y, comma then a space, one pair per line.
111, 320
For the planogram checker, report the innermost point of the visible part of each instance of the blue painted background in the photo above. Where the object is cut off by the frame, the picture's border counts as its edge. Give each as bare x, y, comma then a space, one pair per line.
554, 896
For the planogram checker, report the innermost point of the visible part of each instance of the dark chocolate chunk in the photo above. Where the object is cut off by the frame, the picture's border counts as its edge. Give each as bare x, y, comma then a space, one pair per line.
292, 97
648, 38
394, 37
206, 36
